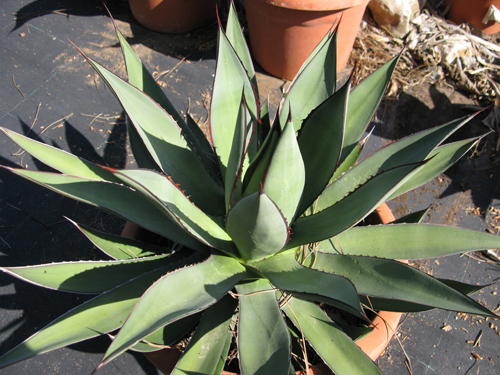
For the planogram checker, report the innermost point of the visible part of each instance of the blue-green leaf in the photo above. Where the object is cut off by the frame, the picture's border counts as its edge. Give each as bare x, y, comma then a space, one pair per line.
285, 177
119, 247
187, 291
100, 315
87, 276
118, 199
140, 77
440, 160
385, 304
166, 143
320, 143
174, 203
408, 241
394, 280
334, 347
237, 154
237, 40
60, 160
314, 83
257, 227
350, 210
286, 274
255, 173
363, 103
264, 345
230, 79
411, 149
209, 342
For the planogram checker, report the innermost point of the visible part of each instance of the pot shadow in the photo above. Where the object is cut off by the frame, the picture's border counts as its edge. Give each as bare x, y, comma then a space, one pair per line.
198, 44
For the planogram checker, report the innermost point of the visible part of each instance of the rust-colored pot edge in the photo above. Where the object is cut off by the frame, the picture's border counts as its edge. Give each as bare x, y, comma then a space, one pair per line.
473, 12
316, 4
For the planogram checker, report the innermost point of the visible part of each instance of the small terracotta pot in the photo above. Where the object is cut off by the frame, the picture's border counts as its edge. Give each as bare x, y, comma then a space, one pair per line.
283, 33
473, 11
174, 16
385, 324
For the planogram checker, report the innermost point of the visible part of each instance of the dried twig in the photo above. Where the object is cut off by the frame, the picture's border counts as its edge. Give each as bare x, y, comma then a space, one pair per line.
61, 120
21, 151
17, 87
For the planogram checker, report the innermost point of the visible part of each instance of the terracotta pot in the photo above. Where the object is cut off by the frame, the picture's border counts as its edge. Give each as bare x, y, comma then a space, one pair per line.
283, 33
174, 16
473, 11
385, 324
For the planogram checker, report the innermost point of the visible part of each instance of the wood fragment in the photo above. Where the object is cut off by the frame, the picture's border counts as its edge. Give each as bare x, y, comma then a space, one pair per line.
477, 356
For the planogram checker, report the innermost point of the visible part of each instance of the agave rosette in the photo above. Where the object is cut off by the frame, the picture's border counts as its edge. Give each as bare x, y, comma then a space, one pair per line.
264, 216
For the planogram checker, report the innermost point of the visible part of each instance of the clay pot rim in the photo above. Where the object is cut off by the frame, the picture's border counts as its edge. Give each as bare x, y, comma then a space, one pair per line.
316, 5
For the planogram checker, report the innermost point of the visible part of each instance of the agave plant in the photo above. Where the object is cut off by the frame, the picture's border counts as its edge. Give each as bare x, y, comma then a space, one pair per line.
262, 218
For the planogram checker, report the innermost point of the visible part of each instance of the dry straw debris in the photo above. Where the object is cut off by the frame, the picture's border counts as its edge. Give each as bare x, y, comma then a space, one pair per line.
433, 50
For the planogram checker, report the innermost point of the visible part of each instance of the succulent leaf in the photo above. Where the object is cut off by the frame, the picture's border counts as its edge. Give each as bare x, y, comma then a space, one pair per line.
237, 155
172, 201
230, 78
257, 227
204, 149
312, 85
141, 153
140, 77
97, 316
119, 199
349, 162
209, 281
363, 103
172, 333
414, 217
350, 210
256, 171
209, 344
265, 122
285, 177
286, 274
384, 304
119, 247
439, 160
390, 279
334, 347
165, 143
264, 343
237, 41
408, 241
91, 277
60, 160
320, 142
411, 149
